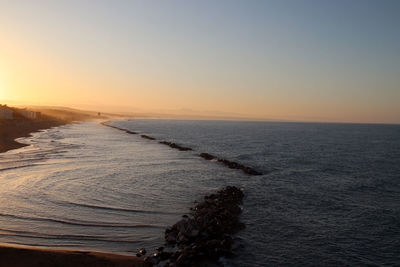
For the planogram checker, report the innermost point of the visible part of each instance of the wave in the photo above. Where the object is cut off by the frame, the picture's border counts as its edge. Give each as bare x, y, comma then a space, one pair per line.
16, 167
80, 223
42, 244
15, 233
91, 206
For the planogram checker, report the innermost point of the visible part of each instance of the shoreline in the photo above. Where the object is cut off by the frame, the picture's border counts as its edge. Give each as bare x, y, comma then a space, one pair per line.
20, 126
16, 255
213, 239
21, 255
11, 130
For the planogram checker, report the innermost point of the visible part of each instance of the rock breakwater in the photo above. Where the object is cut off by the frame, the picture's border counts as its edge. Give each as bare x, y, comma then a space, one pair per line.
230, 164
124, 130
205, 235
147, 137
176, 146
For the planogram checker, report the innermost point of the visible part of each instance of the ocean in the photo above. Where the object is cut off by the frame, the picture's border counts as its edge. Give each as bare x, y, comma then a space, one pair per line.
329, 194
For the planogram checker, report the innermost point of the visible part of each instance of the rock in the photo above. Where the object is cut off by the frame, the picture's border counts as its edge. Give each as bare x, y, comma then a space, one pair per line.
130, 132
194, 233
227, 242
165, 255
173, 145
207, 156
147, 137
230, 164
142, 251
181, 237
171, 238
180, 225
152, 260
204, 236
182, 260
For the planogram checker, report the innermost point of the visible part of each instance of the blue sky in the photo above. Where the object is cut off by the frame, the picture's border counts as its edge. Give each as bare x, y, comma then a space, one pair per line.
300, 60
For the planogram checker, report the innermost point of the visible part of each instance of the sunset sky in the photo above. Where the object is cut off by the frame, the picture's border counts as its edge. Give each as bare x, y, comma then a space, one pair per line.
290, 60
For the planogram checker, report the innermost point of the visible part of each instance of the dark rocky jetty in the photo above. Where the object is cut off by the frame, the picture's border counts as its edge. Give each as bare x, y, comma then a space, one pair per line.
230, 164
127, 131
204, 236
176, 146
124, 130
147, 137
207, 156
130, 132
105, 124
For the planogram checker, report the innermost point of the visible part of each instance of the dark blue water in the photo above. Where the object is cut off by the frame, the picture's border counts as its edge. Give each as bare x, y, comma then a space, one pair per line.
330, 193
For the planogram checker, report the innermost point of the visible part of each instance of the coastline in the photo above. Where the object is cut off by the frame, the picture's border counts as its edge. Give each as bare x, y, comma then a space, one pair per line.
24, 127
11, 130
19, 255
15, 255
213, 238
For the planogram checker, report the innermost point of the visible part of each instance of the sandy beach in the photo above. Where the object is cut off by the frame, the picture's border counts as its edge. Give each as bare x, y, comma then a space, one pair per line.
32, 257
23, 127
10, 130
16, 255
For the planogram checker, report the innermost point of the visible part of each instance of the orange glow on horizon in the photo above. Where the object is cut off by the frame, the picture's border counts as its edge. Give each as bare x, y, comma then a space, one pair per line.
35, 72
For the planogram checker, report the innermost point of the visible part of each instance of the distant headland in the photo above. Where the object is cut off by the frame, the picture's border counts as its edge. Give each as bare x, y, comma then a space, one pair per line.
21, 122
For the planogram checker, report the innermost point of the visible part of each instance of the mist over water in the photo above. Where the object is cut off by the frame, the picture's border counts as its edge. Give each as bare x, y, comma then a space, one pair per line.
330, 193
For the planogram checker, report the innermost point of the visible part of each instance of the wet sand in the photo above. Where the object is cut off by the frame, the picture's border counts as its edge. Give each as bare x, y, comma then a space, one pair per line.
32, 257
10, 130
23, 127
15, 255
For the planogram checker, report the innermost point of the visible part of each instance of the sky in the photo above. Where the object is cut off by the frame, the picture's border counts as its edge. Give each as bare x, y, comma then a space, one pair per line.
282, 60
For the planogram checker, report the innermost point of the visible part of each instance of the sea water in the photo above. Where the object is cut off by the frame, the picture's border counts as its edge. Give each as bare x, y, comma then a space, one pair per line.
329, 193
